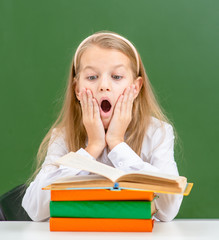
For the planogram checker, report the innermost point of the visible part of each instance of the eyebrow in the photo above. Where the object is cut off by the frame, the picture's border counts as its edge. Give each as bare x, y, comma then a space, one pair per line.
120, 65
94, 68
89, 67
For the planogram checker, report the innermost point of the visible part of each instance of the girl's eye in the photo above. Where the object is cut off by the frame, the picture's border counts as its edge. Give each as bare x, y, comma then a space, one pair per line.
92, 77
117, 77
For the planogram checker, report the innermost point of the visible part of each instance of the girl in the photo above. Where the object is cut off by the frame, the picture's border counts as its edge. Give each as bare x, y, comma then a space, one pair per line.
110, 114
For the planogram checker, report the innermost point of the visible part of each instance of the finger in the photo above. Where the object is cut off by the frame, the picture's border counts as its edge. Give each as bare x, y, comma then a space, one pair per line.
126, 93
130, 97
125, 99
118, 106
89, 103
96, 111
83, 101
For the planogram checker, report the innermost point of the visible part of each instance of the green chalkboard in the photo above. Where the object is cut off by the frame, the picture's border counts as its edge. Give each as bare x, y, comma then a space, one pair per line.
178, 41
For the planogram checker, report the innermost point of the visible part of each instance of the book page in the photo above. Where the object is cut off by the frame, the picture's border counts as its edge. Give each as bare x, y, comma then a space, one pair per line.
75, 160
142, 176
80, 178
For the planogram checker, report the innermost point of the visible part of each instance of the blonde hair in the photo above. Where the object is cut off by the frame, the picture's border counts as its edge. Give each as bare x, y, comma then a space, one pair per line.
70, 117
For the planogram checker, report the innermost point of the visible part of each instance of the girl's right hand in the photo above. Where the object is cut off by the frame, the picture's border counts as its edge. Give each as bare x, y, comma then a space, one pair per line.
92, 123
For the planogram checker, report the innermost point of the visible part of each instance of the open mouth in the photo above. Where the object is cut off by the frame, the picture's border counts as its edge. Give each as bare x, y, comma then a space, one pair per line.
105, 106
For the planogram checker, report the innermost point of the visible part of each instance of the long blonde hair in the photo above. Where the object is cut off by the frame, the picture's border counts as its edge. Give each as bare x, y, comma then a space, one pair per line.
70, 117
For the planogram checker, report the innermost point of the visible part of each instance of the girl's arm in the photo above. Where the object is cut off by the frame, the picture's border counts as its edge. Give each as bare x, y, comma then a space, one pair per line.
36, 201
157, 156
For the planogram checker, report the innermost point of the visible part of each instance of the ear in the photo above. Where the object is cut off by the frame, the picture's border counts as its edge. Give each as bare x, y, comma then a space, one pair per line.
138, 84
76, 89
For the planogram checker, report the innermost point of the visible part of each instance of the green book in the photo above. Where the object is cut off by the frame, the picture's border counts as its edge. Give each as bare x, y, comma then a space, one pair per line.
103, 209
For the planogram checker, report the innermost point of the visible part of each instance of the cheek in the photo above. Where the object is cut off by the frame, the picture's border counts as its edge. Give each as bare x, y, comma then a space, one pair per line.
86, 85
123, 88
81, 84
78, 88
118, 93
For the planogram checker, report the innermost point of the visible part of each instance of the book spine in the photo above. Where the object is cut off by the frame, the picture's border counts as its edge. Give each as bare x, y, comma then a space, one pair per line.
101, 225
101, 209
100, 194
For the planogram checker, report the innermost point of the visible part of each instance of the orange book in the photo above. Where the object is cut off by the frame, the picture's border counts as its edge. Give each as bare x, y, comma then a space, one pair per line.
101, 225
100, 194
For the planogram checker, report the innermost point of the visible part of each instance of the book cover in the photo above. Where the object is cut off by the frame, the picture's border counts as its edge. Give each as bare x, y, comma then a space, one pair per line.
101, 225
100, 194
103, 209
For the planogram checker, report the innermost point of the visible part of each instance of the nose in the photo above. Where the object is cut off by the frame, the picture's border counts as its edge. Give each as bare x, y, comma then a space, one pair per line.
104, 84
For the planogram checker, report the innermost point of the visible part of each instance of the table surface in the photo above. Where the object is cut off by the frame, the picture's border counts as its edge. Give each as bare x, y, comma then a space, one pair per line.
177, 229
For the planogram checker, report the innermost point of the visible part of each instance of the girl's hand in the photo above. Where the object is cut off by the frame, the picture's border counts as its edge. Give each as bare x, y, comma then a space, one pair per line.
121, 118
92, 123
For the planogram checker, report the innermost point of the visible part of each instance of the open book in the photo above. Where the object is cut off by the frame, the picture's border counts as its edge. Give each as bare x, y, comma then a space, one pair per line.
104, 176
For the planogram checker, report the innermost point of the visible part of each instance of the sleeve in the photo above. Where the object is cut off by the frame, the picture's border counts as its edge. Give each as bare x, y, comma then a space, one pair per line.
36, 201
158, 153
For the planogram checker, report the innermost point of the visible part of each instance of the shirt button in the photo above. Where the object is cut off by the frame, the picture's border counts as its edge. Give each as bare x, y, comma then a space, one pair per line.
120, 164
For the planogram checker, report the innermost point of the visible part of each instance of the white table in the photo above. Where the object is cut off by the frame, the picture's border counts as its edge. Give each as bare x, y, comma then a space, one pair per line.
178, 229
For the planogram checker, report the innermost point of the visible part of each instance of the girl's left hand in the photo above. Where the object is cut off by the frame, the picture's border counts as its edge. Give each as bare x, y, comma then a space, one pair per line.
122, 116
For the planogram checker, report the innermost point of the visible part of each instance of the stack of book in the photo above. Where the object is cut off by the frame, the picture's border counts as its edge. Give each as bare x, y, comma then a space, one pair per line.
110, 199
102, 210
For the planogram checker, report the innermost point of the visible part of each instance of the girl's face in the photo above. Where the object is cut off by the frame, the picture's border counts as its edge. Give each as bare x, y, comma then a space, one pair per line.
107, 73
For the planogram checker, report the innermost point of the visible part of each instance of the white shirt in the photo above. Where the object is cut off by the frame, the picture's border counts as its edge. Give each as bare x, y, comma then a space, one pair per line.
157, 155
